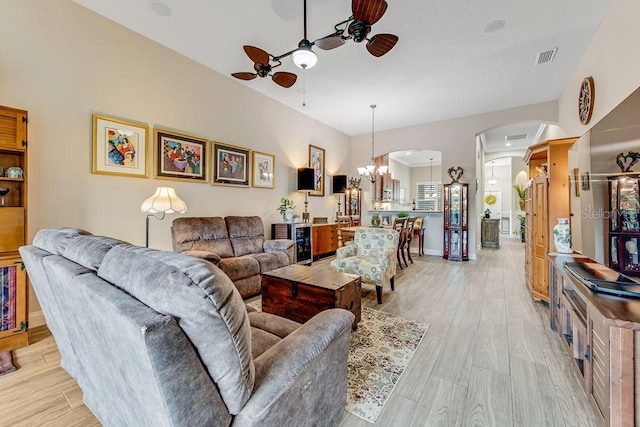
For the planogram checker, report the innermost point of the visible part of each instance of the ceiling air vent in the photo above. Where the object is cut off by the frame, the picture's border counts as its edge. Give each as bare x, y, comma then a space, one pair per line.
510, 138
546, 56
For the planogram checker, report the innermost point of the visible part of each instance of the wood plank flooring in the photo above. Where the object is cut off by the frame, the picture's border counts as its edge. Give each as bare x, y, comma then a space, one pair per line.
488, 359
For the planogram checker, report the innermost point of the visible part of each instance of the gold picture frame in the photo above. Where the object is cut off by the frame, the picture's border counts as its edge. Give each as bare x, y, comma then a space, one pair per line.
119, 147
263, 170
316, 162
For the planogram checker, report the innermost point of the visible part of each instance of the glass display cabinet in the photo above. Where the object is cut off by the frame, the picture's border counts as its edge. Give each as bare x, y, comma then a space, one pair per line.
456, 221
352, 202
624, 223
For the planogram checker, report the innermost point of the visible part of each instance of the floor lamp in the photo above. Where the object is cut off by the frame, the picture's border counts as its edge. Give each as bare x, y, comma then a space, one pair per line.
306, 183
339, 187
164, 201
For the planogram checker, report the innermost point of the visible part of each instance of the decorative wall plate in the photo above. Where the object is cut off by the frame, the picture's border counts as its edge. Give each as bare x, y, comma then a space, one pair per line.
586, 99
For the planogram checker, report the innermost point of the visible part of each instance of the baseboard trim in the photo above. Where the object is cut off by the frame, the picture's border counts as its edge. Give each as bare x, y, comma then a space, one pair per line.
36, 319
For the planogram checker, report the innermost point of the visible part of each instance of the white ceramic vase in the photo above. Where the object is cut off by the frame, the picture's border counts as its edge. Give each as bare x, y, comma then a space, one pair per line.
288, 216
562, 236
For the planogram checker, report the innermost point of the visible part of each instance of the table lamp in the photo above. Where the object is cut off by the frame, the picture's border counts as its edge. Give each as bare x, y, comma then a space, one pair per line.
164, 201
339, 187
306, 183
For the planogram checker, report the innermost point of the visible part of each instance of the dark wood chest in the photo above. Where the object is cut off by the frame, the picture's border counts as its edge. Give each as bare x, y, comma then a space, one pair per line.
299, 292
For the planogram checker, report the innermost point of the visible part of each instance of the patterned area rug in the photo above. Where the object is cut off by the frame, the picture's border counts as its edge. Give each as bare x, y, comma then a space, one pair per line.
380, 350
6, 363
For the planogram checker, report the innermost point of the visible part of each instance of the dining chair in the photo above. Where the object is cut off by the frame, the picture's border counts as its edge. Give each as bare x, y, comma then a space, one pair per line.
418, 230
408, 239
400, 225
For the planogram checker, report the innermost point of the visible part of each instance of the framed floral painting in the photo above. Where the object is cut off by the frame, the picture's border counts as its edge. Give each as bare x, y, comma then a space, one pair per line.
180, 156
119, 147
263, 169
230, 165
316, 162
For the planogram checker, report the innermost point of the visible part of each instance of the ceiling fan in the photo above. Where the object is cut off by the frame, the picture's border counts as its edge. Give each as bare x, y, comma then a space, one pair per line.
365, 14
358, 26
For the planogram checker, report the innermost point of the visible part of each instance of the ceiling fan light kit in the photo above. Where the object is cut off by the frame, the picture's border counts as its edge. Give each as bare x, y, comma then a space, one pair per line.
303, 57
357, 28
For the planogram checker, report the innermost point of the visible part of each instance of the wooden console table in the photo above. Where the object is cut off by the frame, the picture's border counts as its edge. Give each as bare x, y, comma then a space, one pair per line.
601, 333
490, 233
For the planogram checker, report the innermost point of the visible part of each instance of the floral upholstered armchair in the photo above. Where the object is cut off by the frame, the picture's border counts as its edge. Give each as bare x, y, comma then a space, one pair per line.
372, 255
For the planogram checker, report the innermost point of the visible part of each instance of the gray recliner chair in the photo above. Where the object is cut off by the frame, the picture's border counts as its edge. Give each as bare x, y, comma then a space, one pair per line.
163, 339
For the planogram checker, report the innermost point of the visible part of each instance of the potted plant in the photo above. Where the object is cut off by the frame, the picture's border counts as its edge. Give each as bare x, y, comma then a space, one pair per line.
521, 194
286, 209
487, 213
521, 218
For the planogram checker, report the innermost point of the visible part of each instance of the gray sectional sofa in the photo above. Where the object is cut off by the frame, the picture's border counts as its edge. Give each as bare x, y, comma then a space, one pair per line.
163, 339
236, 244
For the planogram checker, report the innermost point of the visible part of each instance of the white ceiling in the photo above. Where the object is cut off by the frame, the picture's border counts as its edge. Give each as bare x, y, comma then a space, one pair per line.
443, 66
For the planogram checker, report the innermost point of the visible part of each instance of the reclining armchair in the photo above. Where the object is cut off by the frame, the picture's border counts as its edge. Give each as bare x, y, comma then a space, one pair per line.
162, 339
372, 255
236, 244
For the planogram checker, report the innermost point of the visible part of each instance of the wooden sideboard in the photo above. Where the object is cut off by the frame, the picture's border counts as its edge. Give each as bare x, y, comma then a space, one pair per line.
601, 333
325, 239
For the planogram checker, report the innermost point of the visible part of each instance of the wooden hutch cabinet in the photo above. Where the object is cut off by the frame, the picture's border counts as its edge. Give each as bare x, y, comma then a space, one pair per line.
456, 221
547, 200
13, 228
624, 223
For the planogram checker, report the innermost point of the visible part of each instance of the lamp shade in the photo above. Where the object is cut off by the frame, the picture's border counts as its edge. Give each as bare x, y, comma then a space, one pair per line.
306, 179
339, 183
164, 200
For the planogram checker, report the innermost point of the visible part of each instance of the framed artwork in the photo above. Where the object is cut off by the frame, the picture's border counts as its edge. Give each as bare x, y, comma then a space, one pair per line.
263, 169
230, 165
586, 181
576, 180
316, 161
119, 147
180, 156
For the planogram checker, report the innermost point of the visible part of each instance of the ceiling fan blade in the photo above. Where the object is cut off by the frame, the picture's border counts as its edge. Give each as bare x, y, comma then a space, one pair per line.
284, 78
244, 76
329, 42
257, 55
380, 44
369, 11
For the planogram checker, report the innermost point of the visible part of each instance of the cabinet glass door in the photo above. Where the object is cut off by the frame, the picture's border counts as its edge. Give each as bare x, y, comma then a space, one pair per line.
631, 260
455, 206
628, 197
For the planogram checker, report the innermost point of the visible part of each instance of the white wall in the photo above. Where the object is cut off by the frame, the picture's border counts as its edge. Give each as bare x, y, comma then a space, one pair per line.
62, 63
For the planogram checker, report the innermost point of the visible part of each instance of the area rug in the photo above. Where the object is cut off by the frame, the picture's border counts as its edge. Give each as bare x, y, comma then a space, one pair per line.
6, 363
380, 350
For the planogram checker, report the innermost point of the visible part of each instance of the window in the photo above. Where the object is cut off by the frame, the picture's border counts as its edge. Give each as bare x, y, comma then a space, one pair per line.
426, 200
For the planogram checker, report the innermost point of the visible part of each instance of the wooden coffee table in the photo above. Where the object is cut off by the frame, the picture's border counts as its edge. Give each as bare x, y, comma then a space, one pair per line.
299, 292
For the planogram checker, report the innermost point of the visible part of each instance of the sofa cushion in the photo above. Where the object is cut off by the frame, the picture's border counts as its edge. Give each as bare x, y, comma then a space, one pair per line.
89, 250
246, 234
240, 267
270, 261
205, 303
201, 234
56, 240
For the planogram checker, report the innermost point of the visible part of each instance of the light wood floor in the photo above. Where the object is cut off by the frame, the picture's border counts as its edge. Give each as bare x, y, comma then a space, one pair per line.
488, 359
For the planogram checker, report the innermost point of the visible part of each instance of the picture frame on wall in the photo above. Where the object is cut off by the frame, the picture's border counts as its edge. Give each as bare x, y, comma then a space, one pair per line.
316, 162
119, 146
180, 156
263, 175
231, 165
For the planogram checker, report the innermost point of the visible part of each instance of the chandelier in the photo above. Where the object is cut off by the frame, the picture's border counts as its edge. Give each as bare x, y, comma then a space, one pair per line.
372, 172
492, 180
